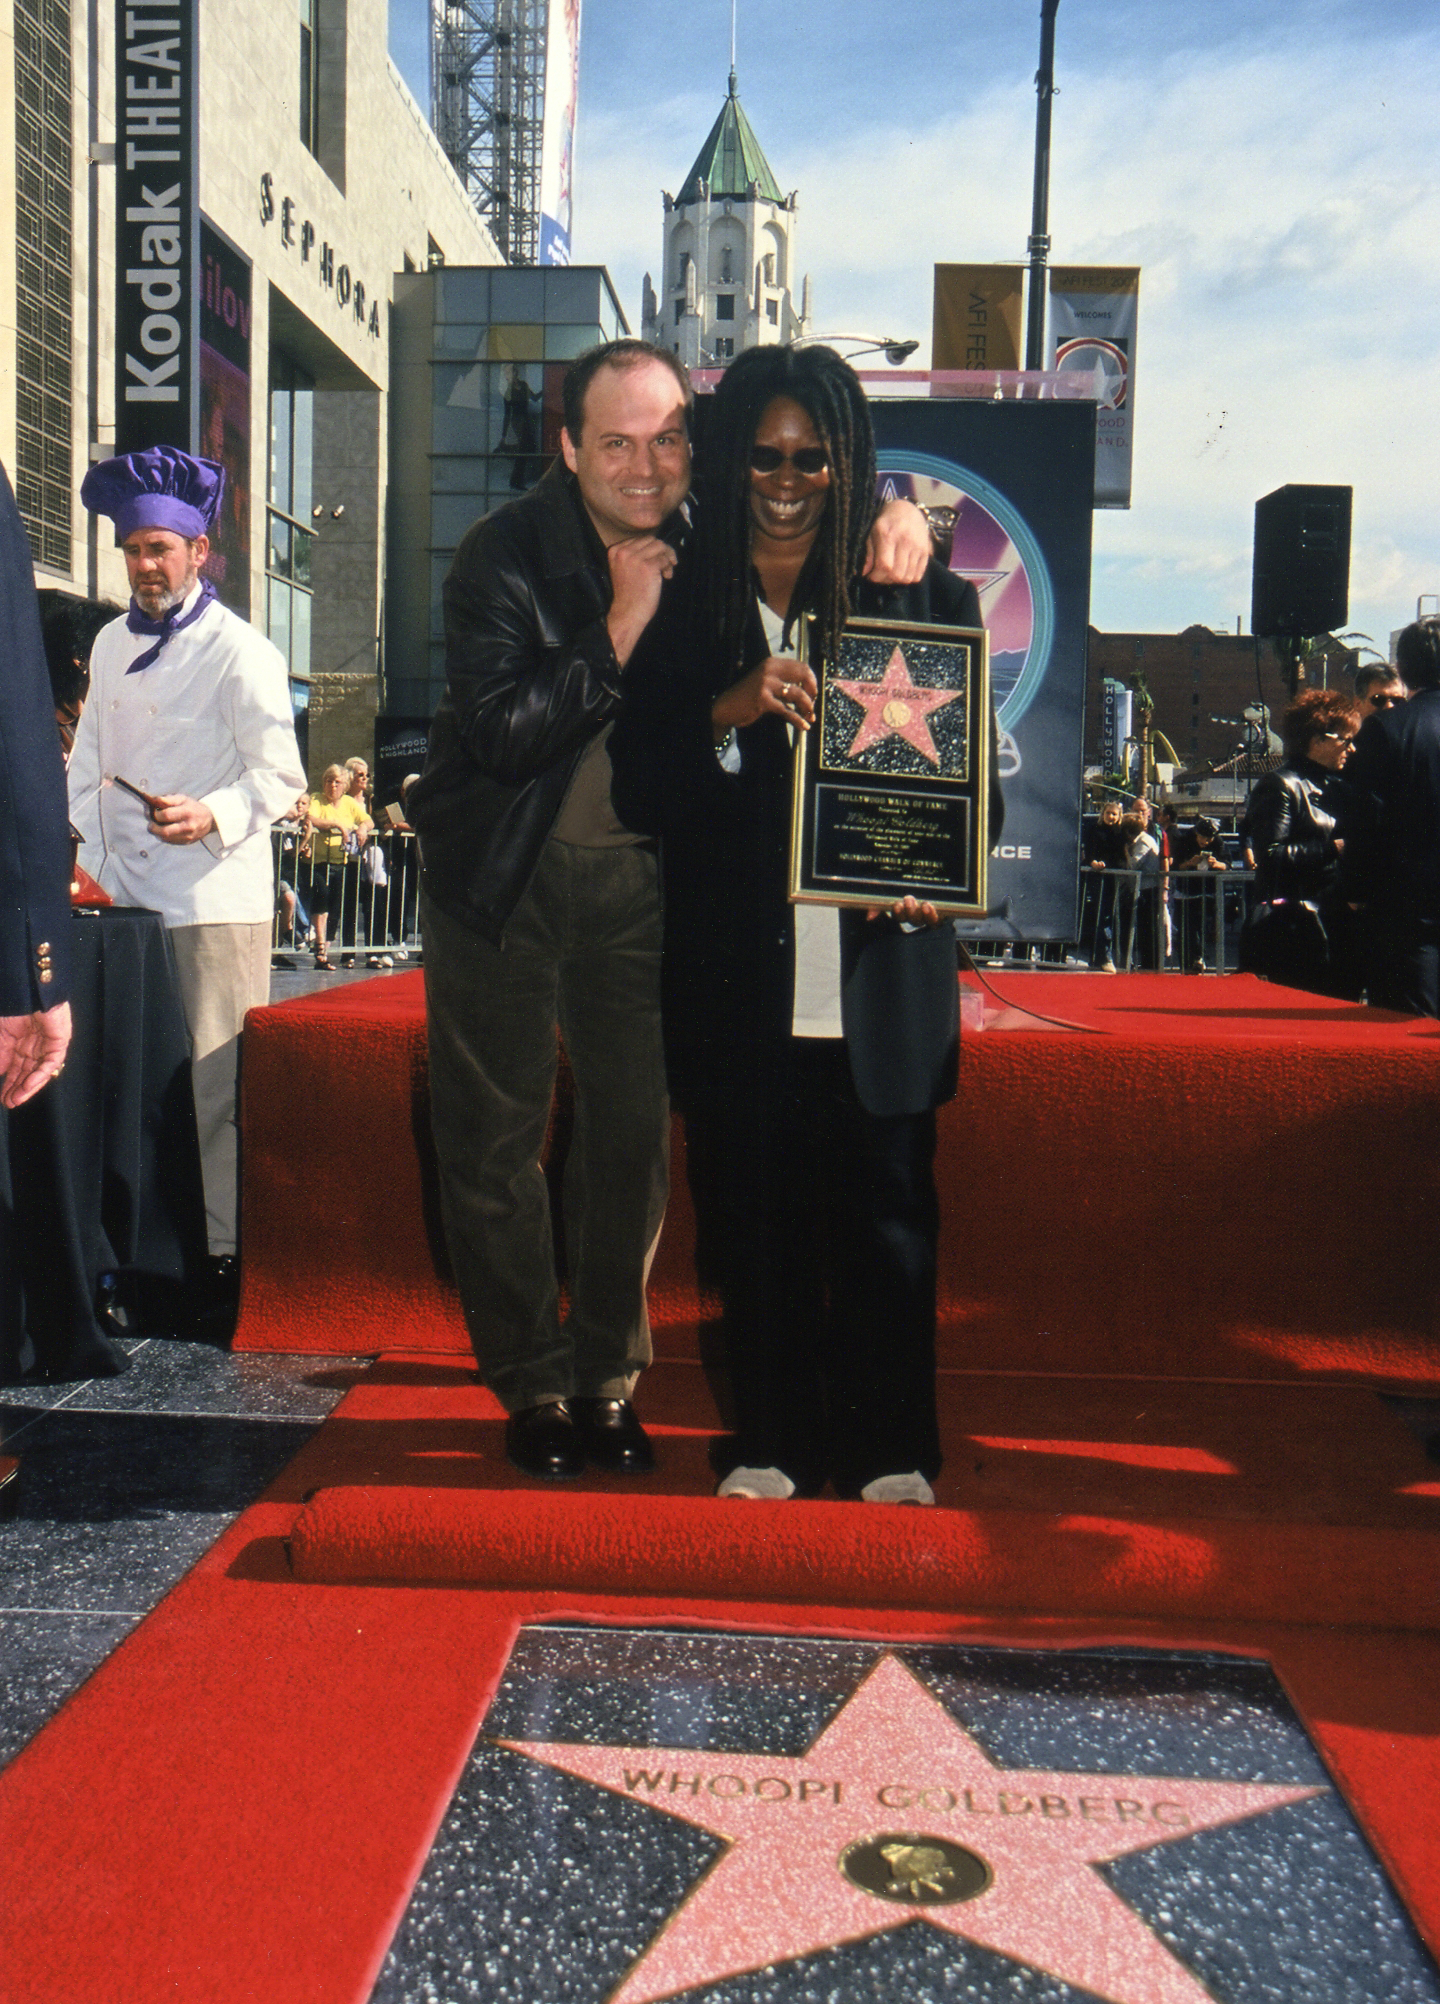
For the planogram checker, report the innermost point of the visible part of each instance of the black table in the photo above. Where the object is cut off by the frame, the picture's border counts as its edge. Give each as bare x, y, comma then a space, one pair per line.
100, 1172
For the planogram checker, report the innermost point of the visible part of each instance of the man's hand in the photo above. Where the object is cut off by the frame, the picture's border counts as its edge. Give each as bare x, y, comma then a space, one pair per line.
32, 1052
180, 820
781, 686
899, 547
638, 568
909, 910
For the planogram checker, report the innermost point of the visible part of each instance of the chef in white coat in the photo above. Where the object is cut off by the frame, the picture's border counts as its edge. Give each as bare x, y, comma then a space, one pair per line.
191, 707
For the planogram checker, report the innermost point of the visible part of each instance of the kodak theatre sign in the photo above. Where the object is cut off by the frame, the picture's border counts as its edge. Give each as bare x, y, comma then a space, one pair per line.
157, 223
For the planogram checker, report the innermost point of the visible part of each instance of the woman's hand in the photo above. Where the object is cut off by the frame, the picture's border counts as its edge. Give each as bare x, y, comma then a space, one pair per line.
781, 686
909, 910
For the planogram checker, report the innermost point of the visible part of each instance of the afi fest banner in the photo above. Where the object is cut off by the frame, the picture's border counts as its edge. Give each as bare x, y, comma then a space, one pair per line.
557, 155
976, 321
1007, 487
1092, 328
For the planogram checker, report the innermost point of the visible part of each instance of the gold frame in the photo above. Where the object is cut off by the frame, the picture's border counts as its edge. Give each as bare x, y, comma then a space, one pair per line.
974, 791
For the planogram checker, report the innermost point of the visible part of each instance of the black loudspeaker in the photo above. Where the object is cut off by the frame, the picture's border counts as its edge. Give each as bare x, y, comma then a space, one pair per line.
1300, 583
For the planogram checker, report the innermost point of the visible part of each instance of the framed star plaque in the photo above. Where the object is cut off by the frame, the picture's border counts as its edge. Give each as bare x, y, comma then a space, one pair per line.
892, 783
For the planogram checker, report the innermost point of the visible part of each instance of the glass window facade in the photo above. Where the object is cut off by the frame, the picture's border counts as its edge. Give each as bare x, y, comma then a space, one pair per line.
494, 344
289, 527
44, 471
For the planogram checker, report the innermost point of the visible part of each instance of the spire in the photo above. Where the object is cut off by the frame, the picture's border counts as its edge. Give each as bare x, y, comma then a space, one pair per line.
731, 159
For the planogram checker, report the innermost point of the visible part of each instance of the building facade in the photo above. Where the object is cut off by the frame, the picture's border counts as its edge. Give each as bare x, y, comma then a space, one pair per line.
319, 182
728, 267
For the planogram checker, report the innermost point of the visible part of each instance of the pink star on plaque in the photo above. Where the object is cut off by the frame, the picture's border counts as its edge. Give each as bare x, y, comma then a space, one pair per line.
896, 1814
895, 708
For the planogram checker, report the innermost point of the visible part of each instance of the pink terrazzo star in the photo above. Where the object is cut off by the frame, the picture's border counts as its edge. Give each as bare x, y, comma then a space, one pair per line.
895, 708
896, 1776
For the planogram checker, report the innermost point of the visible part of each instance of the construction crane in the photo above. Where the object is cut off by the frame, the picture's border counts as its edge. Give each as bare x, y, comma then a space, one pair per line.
487, 105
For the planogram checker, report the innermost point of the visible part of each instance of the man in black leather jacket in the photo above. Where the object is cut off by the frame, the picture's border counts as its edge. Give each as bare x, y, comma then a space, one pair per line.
538, 908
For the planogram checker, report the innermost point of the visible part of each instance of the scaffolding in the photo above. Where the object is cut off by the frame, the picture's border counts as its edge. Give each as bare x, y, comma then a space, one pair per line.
487, 105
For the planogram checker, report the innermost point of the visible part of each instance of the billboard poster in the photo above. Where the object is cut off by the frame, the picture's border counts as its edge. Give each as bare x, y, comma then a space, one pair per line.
976, 320
557, 156
157, 219
1009, 487
225, 410
1093, 313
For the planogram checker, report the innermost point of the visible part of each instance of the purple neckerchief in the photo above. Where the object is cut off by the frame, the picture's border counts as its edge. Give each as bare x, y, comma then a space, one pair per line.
168, 623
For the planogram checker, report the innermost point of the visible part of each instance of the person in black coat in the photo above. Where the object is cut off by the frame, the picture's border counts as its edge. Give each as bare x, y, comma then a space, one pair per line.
1393, 864
34, 836
1300, 930
808, 1048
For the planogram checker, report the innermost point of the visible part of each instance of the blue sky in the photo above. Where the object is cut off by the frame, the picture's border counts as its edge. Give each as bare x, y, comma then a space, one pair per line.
1270, 167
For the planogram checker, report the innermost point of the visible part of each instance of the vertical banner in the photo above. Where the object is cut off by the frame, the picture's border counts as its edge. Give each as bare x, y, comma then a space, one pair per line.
1092, 329
976, 318
557, 156
157, 224
225, 410
1008, 491
1115, 723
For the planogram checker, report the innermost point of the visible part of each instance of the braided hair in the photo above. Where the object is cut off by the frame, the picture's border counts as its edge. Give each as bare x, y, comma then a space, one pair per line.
829, 391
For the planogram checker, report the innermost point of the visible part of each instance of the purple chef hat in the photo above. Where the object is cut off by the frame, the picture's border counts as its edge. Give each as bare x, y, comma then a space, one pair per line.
160, 488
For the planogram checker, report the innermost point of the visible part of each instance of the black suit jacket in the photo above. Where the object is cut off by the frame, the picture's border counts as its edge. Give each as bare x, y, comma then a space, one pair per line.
34, 820
729, 969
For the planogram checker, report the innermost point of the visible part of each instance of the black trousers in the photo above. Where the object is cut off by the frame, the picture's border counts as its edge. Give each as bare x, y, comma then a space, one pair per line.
821, 1221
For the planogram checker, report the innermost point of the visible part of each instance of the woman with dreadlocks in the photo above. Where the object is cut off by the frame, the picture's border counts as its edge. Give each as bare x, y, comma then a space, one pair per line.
808, 1047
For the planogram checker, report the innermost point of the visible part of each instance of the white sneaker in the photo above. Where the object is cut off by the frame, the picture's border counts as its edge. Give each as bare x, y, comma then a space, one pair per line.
911, 1488
769, 1483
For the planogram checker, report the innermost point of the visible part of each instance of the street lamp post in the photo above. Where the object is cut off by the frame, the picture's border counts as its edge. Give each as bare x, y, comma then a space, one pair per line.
1039, 244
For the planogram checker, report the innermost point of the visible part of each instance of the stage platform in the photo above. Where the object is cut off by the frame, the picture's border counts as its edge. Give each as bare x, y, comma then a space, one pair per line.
1199, 1178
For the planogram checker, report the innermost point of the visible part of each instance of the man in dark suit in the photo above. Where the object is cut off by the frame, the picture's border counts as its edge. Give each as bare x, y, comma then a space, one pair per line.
34, 837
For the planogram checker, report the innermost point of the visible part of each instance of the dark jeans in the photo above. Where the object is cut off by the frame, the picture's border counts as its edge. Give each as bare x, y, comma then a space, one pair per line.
581, 954
824, 1229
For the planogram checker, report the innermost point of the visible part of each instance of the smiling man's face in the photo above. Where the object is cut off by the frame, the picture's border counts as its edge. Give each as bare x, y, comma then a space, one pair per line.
632, 458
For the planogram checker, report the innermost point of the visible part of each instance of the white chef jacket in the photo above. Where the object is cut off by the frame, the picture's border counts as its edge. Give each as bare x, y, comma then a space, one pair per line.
212, 718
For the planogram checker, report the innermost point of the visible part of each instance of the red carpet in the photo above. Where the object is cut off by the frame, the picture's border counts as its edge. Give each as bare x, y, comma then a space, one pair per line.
1167, 1277
1168, 1191
235, 1807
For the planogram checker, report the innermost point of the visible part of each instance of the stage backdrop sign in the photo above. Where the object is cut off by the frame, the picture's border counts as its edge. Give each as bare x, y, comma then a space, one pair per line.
225, 409
557, 151
976, 320
1092, 328
157, 224
1014, 481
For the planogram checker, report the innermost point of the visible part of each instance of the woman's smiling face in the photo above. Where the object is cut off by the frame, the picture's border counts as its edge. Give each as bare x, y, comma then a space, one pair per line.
787, 500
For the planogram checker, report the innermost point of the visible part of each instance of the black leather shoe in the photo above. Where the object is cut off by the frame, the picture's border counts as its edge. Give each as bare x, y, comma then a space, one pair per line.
613, 1437
544, 1440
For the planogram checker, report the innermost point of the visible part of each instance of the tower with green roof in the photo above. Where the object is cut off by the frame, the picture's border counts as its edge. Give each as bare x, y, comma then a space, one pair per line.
728, 270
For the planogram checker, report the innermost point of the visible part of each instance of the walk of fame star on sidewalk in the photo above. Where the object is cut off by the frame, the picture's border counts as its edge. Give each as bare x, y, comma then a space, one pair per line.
896, 1782
895, 708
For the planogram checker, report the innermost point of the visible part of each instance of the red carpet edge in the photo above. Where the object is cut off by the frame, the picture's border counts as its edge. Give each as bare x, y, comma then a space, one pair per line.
1014, 1560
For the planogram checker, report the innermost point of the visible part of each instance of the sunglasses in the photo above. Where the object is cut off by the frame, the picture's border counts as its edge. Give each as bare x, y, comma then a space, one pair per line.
809, 460
1383, 702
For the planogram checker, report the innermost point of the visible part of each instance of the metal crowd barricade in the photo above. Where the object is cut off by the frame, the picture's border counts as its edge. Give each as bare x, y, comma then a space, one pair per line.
378, 895
1181, 921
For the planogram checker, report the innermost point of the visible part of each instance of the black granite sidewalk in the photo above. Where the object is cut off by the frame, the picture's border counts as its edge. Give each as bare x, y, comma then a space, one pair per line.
124, 1484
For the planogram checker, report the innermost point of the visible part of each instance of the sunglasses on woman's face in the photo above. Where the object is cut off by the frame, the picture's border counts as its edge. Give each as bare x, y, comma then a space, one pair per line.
809, 460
